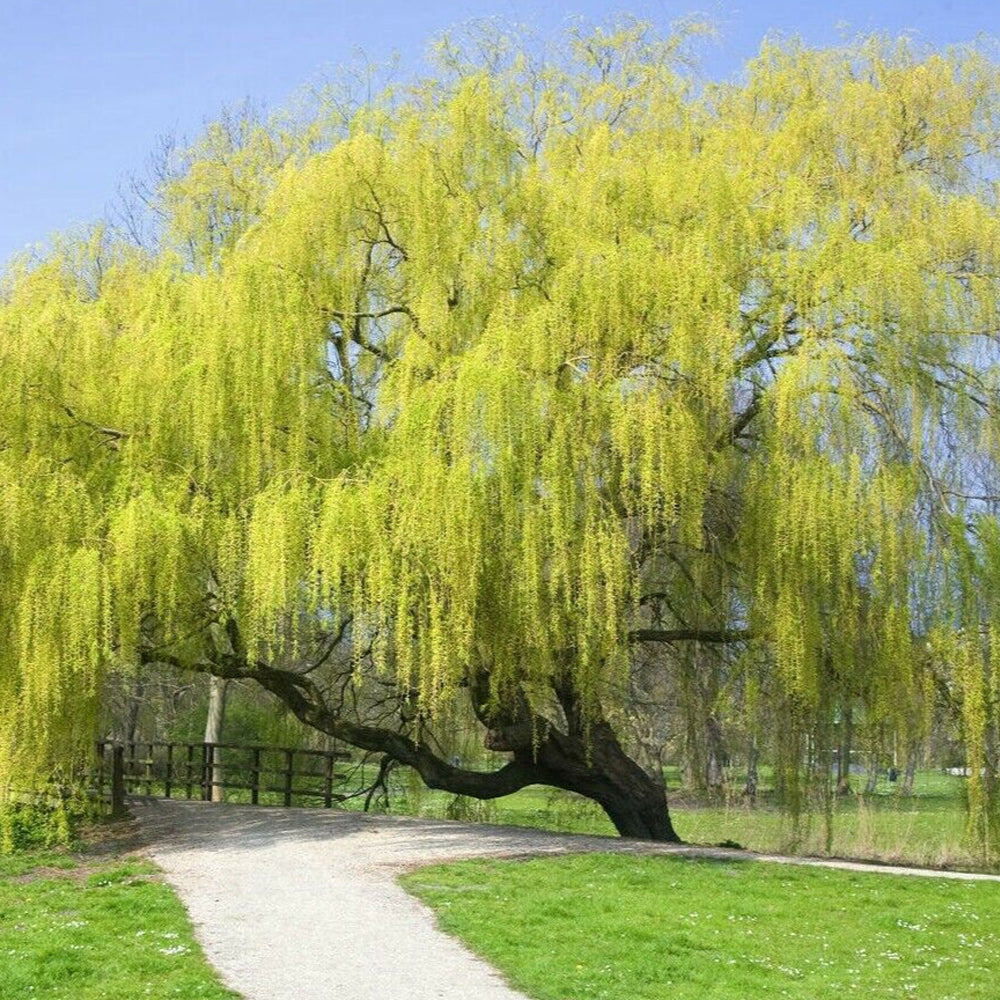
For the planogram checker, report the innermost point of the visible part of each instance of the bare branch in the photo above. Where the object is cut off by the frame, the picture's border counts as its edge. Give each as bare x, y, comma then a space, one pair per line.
690, 635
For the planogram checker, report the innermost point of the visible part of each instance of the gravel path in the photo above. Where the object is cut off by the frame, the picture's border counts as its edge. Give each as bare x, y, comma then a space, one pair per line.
302, 904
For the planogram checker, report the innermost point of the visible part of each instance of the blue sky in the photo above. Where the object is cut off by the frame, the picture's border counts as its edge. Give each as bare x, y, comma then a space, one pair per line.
87, 86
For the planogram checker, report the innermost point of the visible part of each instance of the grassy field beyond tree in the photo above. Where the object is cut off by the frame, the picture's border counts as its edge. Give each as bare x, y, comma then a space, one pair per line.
928, 828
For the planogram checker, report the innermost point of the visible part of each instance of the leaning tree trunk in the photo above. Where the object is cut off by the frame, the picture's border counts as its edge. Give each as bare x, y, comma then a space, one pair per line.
584, 755
587, 758
599, 769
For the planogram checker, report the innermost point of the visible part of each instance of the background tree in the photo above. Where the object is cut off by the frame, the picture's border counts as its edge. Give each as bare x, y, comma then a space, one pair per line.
530, 366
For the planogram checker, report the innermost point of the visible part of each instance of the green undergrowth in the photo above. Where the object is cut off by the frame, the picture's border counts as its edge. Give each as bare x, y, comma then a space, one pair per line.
95, 923
46, 821
611, 926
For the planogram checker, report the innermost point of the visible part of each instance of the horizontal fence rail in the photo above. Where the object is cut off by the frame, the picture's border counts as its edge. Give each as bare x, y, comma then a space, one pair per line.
256, 774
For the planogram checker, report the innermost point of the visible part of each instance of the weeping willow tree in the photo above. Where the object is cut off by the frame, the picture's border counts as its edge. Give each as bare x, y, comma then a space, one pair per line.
476, 392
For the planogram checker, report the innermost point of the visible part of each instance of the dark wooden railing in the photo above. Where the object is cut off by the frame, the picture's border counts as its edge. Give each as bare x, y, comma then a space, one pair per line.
194, 770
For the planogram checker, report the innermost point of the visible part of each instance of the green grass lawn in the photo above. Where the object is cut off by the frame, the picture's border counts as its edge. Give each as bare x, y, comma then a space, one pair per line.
83, 927
627, 928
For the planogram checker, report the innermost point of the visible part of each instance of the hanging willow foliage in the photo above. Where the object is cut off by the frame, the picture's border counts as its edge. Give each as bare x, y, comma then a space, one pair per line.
506, 353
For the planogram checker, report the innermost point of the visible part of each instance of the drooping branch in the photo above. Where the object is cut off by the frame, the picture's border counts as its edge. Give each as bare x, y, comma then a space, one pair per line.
740, 423
305, 698
113, 435
351, 322
724, 635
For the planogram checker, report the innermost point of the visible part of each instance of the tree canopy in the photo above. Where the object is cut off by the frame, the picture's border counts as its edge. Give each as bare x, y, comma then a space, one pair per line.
499, 379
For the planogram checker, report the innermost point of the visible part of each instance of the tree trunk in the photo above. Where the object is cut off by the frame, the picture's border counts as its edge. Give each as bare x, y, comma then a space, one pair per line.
214, 722
594, 766
844, 753
589, 759
586, 758
134, 705
872, 783
635, 802
750, 785
715, 774
912, 760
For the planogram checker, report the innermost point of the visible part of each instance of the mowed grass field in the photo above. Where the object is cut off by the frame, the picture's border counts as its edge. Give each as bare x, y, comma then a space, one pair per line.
84, 927
627, 928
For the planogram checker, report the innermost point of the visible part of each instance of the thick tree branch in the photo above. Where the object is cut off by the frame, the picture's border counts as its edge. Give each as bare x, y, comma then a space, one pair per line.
740, 423
113, 434
304, 697
690, 635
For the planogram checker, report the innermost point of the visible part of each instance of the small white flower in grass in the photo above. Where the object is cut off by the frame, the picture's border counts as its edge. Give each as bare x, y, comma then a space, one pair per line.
177, 949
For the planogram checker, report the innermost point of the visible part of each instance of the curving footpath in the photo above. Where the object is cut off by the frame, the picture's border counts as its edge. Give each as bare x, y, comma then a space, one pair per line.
302, 904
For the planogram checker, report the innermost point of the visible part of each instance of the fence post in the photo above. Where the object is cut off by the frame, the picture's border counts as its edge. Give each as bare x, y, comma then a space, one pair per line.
255, 782
170, 770
131, 770
118, 781
206, 771
100, 769
120, 770
328, 782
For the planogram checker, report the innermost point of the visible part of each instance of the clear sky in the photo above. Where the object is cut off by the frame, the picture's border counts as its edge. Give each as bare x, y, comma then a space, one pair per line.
87, 86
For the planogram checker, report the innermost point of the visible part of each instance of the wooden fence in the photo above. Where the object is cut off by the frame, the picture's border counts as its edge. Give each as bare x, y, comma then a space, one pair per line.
278, 775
